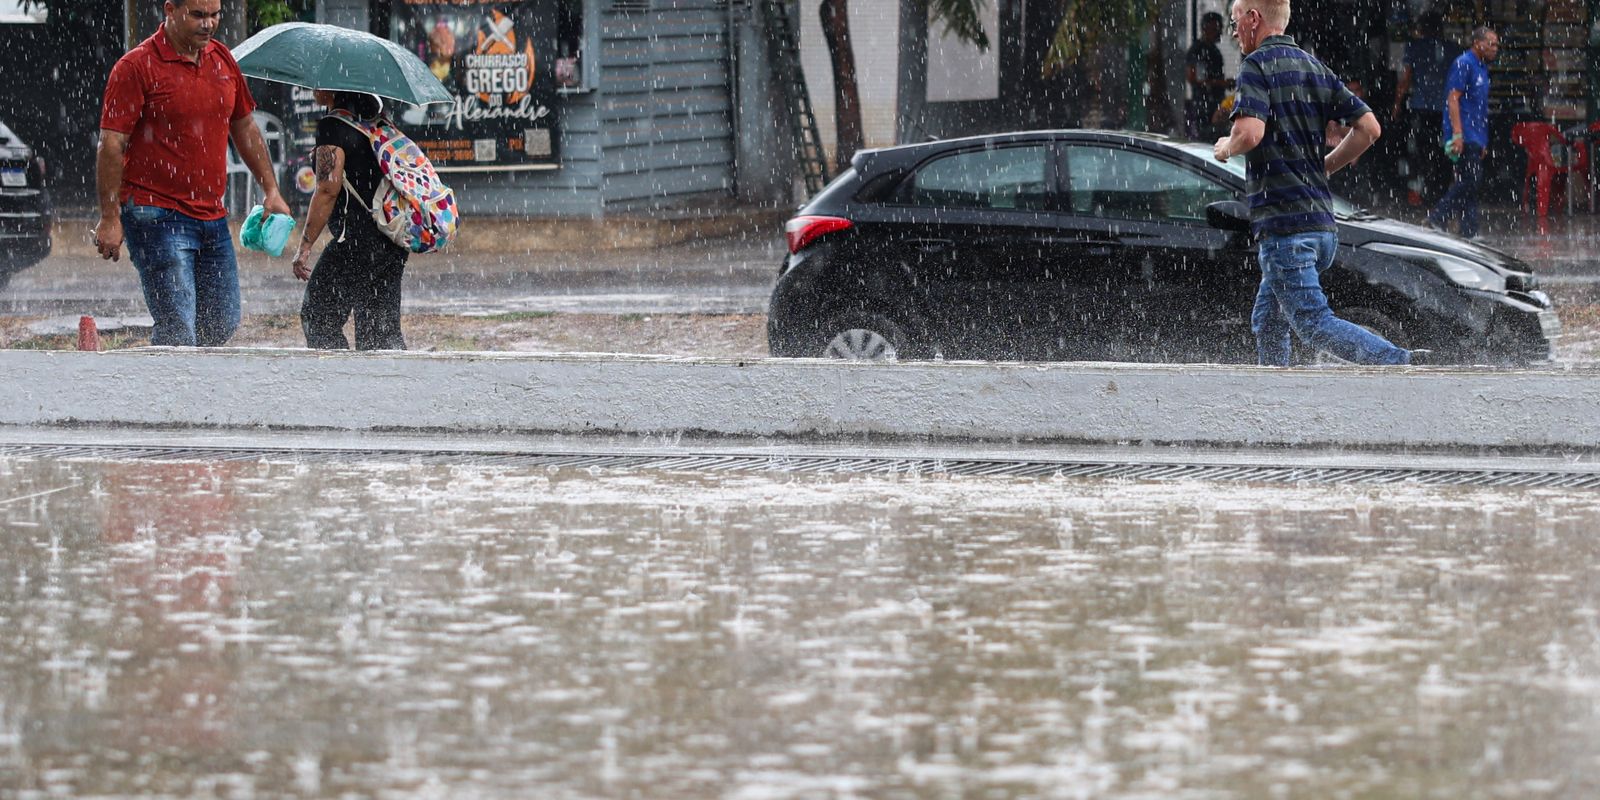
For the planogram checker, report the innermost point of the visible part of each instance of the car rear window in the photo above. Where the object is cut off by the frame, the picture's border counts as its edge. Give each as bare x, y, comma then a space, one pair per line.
1125, 184
1005, 178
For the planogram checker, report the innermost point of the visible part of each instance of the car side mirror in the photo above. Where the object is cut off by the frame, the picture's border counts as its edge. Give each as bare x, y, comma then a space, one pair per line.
1228, 215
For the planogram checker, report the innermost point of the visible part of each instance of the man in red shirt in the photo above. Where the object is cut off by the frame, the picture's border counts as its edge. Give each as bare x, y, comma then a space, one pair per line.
171, 105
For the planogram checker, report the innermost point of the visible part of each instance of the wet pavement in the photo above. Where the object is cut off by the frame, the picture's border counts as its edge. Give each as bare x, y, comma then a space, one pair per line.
272, 628
731, 275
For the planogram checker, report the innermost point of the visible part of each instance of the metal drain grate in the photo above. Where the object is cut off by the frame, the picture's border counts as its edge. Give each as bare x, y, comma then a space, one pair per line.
831, 464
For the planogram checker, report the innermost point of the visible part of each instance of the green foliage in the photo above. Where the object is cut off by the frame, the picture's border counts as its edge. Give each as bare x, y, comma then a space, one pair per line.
266, 13
1088, 24
1085, 25
960, 18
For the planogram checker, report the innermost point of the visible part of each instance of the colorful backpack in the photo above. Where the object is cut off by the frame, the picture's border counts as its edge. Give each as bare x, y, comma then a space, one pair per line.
411, 206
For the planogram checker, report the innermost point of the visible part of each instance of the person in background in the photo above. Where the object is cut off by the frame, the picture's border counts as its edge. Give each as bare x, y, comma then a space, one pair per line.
1466, 131
1286, 99
171, 105
441, 50
1420, 94
359, 272
1207, 83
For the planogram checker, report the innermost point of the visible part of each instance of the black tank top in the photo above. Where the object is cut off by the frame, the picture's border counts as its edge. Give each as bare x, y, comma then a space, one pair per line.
360, 167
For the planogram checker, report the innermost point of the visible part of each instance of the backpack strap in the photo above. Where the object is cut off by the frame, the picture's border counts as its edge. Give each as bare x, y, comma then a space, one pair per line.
349, 188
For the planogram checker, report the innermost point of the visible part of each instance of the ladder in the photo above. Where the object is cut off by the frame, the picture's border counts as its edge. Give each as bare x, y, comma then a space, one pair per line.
784, 47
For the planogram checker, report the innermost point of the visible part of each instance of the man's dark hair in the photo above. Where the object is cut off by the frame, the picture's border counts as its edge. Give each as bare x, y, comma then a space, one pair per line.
361, 104
1480, 33
1211, 17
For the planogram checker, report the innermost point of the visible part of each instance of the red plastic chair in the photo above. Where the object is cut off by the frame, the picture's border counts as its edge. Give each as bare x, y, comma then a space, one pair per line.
1535, 138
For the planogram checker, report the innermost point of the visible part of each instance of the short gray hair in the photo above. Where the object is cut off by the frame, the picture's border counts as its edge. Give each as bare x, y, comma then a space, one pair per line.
1481, 32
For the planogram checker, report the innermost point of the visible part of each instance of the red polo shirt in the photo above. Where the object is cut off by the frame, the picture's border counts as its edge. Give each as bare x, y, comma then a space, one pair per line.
176, 113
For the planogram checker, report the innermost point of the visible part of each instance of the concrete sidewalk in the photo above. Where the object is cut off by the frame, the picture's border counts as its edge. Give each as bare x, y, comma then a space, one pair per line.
1396, 407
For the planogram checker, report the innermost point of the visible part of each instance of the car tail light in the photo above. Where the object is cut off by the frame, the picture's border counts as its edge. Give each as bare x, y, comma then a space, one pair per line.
39, 167
802, 231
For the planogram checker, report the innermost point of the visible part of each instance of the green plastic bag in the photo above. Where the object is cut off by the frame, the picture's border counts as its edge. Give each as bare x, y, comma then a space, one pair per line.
250, 234
266, 234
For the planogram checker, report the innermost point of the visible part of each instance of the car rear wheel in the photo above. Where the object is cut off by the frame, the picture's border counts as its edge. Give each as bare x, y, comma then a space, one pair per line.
865, 336
1375, 322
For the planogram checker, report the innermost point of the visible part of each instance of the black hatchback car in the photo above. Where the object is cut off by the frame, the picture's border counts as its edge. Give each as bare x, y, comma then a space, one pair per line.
25, 212
1098, 245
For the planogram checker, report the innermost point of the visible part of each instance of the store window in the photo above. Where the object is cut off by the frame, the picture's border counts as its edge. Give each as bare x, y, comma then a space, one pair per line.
507, 65
1542, 69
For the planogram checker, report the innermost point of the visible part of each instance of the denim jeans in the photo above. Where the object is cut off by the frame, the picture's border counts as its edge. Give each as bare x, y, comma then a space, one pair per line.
187, 269
1291, 299
1462, 198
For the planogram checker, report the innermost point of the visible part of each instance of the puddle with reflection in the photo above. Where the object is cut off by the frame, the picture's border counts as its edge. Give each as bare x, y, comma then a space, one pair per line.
203, 630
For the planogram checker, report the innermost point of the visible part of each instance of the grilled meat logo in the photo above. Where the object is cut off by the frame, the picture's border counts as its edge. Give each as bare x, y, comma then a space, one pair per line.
497, 72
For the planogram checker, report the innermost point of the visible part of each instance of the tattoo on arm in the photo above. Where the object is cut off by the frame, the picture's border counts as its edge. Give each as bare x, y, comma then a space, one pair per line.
324, 158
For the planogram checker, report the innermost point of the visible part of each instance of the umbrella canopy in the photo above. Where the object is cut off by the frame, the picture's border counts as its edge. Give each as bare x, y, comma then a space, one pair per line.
339, 59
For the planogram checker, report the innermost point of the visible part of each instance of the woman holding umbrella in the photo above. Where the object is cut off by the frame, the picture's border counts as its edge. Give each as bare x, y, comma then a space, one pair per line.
359, 272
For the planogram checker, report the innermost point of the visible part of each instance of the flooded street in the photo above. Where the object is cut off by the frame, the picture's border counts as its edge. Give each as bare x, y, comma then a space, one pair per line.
268, 629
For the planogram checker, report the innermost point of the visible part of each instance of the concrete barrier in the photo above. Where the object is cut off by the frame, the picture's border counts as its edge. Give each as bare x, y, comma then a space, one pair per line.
1104, 403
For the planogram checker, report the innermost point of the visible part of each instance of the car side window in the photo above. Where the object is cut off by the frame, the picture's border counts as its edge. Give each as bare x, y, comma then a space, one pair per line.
1005, 178
1124, 184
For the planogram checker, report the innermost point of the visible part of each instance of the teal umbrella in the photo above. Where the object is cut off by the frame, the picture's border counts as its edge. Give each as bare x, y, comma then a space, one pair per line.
339, 59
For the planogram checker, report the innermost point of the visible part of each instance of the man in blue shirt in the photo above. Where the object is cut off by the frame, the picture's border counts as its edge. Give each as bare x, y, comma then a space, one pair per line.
1466, 131
1286, 100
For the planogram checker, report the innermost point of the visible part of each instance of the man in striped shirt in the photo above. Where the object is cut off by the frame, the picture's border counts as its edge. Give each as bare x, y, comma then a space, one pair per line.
1286, 100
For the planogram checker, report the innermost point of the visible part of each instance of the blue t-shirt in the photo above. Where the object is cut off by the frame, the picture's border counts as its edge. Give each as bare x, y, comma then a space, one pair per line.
1429, 60
1469, 76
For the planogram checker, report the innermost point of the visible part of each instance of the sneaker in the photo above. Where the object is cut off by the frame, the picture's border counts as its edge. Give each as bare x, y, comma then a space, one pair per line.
1422, 358
1433, 226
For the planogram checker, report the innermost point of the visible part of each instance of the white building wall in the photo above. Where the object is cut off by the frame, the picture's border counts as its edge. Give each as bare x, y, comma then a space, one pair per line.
957, 69
1230, 48
875, 33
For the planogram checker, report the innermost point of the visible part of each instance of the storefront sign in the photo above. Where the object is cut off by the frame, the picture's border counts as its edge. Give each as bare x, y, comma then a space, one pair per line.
498, 60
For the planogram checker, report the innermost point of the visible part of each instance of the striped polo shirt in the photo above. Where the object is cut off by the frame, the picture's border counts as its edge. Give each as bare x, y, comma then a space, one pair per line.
1295, 95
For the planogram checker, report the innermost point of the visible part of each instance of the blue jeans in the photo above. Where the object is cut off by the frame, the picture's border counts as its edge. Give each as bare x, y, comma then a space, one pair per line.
1462, 199
1291, 299
187, 269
